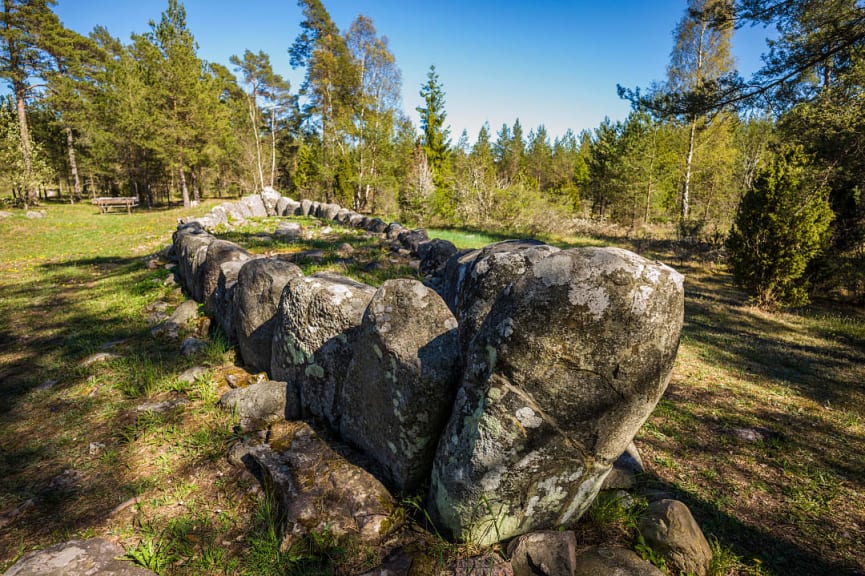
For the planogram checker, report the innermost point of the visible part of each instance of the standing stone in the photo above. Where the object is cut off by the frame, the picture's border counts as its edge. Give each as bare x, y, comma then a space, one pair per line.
78, 558
218, 253
670, 529
454, 275
411, 239
256, 297
343, 216
393, 230
190, 245
223, 298
402, 380
376, 226
356, 221
220, 214
256, 205
317, 319
433, 255
316, 209
329, 211
270, 199
496, 266
306, 208
566, 367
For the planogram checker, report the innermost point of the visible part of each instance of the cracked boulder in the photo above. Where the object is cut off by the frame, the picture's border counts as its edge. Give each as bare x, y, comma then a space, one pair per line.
565, 368
256, 298
401, 383
314, 331
218, 252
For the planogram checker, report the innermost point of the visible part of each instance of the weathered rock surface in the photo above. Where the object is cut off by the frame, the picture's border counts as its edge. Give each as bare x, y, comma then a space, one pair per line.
329, 211
401, 383
223, 298
411, 239
256, 297
256, 205
567, 365
192, 346
375, 225
494, 267
434, 254
218, 253
288, 231
315, 325
259, 404
190, 245
613, 560
77, 558
270, 199
285, 206
316, 489
670, 529
550, 553
306, 207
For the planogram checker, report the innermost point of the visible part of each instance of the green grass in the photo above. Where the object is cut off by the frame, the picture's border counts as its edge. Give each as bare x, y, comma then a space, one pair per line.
791, 502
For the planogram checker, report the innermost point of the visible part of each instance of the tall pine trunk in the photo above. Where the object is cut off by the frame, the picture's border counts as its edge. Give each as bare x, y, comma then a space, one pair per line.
183, 189
686, 186
73, 165
31, 192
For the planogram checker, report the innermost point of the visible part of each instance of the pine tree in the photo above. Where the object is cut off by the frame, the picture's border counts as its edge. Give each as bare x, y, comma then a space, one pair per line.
436, 134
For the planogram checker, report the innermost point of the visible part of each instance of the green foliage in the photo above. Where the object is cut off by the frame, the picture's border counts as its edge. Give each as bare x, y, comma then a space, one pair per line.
436, 135
781, 225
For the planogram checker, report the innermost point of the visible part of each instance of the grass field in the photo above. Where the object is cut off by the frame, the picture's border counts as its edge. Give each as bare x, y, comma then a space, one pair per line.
761, 433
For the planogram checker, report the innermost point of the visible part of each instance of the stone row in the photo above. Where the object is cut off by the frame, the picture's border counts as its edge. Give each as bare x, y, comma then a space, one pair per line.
508, 383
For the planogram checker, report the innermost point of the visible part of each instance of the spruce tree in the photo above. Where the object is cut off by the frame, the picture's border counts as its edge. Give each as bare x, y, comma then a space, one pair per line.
781, 225
436, 135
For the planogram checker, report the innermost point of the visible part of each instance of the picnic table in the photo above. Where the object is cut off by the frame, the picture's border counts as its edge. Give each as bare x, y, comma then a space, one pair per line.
107, 203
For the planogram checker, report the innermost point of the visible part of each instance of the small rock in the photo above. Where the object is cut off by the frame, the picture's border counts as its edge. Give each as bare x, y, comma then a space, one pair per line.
99, 357
345, 250
47, 385
613, 560
288, 231
257, 405
152, 263
326, 230
398, 563
186, 312
192, 346
32, 214
163, 406
170, 281
77, 558
4, 214
112, 344
192, 374
670, 529
489, 564
752, 435
67, 480
549, 553
95, 448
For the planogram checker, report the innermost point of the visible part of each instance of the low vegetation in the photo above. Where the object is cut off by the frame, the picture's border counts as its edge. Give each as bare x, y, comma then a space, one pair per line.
761, 433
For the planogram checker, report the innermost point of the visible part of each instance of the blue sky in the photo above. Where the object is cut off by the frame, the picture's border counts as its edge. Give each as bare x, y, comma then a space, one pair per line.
551, 62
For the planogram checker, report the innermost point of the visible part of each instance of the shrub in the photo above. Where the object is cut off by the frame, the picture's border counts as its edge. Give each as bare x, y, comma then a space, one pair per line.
782, 223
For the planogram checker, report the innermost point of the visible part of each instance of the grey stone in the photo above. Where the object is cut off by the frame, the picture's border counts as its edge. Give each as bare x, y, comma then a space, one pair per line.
401, 384
259, 404
306, 208
4, 214
316, 209
567, 365
329, 211
398, 563
670, 529
220, 214
288, 231
411, 239
223, 298
161, 406
626, 469
316, 322
376, 226
192, 346
434, 254
235, 212
270, 199
190, 375
190, 244
35, 214
218, 252
316, 489
356, 221
256, 205
77, 558
186, 312
393, 230
98, 358
343, 216
495, 266
244, 208
256, 297
613, 561
549, 553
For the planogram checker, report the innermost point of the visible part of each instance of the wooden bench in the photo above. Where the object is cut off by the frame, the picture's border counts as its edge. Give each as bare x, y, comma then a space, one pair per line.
108, 203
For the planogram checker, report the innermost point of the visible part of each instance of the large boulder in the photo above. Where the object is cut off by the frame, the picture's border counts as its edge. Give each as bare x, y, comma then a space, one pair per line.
223, 298
376, 226
493, 268
256, 205
218, 252
317, 320
306, 208
329, 211
434, 255
256, 298
233, 212
78, 558
190, 244
567, 365
317, 490
270, 199
670, 529
402, 380
411, 239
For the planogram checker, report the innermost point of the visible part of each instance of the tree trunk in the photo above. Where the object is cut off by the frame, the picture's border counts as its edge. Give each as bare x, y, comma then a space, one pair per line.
73, 165
272, 145
196, 192
686, 186
183, 189
31, 191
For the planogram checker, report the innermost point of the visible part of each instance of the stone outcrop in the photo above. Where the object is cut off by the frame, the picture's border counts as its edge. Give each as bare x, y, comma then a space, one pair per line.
256, 297
316, 323
400, 386
554, 389
77, 558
